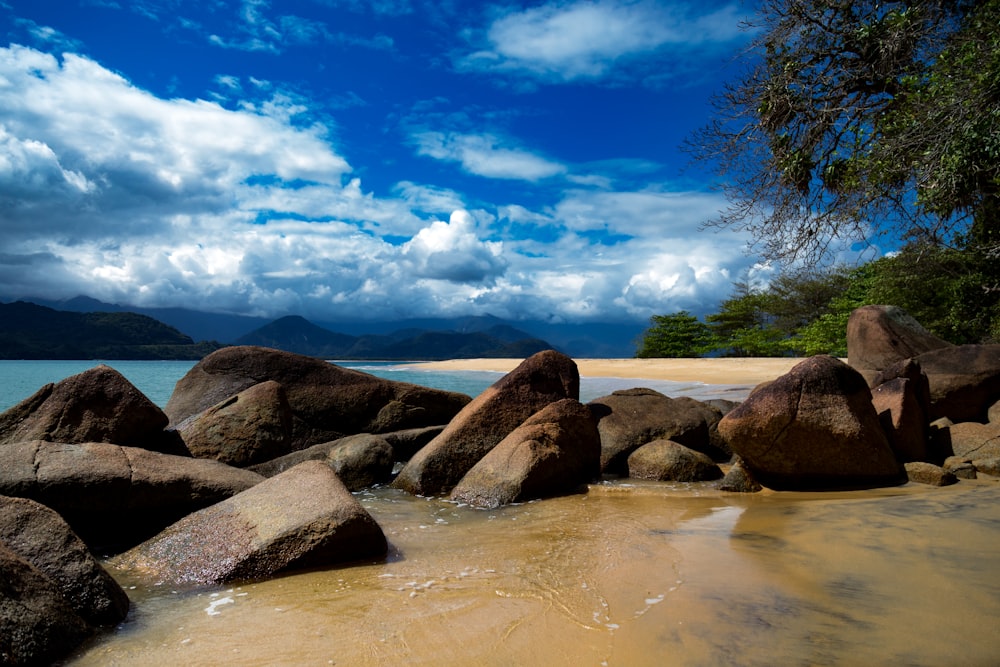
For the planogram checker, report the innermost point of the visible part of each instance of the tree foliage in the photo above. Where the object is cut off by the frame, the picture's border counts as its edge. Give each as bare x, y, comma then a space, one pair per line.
862, 118
676, 335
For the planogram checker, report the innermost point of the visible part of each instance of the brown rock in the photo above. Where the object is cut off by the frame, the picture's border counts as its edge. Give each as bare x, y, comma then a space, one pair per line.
37, 624
327, 401
98, 405
964, 381
988, 466
360, 460
880, 336
961, 468
813, 428
304, 517
628, 419
40, 536
112, 495
993, 414
253, 426
928, 473
554, 452
669, 461
543, 378
903, 418
739, 479
972, 440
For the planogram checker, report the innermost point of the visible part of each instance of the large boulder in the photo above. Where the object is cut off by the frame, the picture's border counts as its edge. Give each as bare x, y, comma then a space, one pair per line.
304, 517
669, 461
555, 451
251, 427
98, 405
327, 401
543, 378
879, 336
360, 460
37, 625
41, 537
813, 428
964, 381
629, 418
115, 496
972, 440
904, 418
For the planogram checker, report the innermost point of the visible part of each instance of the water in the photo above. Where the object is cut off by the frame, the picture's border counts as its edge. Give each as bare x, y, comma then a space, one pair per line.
629, 573
156, 379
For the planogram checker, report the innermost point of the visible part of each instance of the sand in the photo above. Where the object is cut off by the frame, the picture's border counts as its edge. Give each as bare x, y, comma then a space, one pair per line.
710, 371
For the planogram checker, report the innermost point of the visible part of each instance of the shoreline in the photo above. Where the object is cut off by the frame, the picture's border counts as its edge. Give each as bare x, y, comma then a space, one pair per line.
727, 371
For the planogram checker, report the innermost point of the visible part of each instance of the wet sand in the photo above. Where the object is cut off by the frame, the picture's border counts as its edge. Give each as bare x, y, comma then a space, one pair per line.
709, 371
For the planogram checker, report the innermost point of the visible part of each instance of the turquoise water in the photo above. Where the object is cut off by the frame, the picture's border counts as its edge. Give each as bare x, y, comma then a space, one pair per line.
156, 379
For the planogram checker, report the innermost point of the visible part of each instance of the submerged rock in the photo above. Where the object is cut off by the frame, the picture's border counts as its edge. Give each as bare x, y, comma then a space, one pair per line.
304, 517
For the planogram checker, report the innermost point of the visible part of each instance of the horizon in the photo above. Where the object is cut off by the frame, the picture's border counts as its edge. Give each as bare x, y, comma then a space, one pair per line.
398, 159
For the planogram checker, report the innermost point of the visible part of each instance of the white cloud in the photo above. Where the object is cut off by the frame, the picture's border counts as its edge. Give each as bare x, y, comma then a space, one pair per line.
587, 39
486, 155
451, 251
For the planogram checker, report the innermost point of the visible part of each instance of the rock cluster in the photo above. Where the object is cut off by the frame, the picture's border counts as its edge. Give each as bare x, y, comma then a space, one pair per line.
248, 471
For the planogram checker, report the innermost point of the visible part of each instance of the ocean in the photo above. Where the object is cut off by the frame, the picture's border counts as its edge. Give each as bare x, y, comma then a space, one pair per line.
156, 379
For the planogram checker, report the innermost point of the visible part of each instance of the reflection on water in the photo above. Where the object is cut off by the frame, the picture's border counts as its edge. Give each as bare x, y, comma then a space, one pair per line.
627, 574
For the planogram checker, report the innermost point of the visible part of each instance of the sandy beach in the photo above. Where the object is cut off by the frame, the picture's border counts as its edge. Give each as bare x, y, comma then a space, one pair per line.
727, 371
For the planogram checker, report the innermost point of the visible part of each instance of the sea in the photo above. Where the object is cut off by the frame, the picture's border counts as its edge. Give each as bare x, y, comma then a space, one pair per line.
628, 573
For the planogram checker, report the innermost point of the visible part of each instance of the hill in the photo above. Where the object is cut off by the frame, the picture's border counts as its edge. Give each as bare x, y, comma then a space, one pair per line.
30, 331
296, 334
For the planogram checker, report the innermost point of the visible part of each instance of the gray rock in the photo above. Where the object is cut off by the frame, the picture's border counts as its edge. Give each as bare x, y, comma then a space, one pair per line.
115, 496
669, 461
98, 405
361, 460
554, 452
40, 536
543, 378
304, 517
813, 428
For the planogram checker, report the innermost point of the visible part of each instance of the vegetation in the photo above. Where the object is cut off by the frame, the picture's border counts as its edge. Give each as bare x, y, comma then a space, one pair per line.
804, 313
859, 121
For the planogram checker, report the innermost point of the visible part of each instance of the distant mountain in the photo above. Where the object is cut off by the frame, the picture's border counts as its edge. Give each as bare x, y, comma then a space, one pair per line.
30, 331
580, 340
296, 334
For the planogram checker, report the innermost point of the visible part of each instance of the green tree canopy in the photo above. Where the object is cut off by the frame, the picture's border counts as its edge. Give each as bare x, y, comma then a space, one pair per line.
676, 335
859, 119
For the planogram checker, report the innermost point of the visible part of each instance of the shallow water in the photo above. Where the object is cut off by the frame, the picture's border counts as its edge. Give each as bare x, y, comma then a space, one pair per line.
626, 574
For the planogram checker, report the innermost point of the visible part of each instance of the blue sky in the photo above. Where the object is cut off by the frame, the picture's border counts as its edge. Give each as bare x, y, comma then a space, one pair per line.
348, 159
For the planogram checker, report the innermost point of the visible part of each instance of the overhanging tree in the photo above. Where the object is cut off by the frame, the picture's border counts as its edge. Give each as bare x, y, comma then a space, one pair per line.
860, 119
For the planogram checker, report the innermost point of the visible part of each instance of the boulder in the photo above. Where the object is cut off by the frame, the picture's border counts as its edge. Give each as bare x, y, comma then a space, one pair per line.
813, 428
964, 381
360, 460
409, 441
115, 496
928, 473
40, 536
988, 466
629, 418
304, 517
37, 624
98, 405
739, 479
960, 467
972, 440
251, 427
327, 401
669, 461
543, 378
554, 452
880, 336
903, 418
993, 413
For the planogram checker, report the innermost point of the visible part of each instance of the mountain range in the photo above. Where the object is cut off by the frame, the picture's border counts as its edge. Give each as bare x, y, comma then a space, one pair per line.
586, 340
32, 331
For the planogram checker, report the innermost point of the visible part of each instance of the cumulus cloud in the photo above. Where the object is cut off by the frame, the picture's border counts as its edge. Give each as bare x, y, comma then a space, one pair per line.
486, 155
452, 251
587, 39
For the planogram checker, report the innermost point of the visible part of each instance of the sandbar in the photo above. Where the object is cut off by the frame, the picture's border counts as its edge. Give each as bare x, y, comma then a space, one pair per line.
727, 371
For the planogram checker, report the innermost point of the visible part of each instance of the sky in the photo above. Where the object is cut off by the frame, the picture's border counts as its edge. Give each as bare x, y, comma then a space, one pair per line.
366, 159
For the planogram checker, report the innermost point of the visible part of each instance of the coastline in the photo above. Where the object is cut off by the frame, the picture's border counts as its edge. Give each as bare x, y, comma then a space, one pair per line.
727, 371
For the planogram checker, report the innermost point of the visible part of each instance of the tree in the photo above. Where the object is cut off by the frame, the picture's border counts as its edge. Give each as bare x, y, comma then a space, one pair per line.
859, 119
676, 335
744, 325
